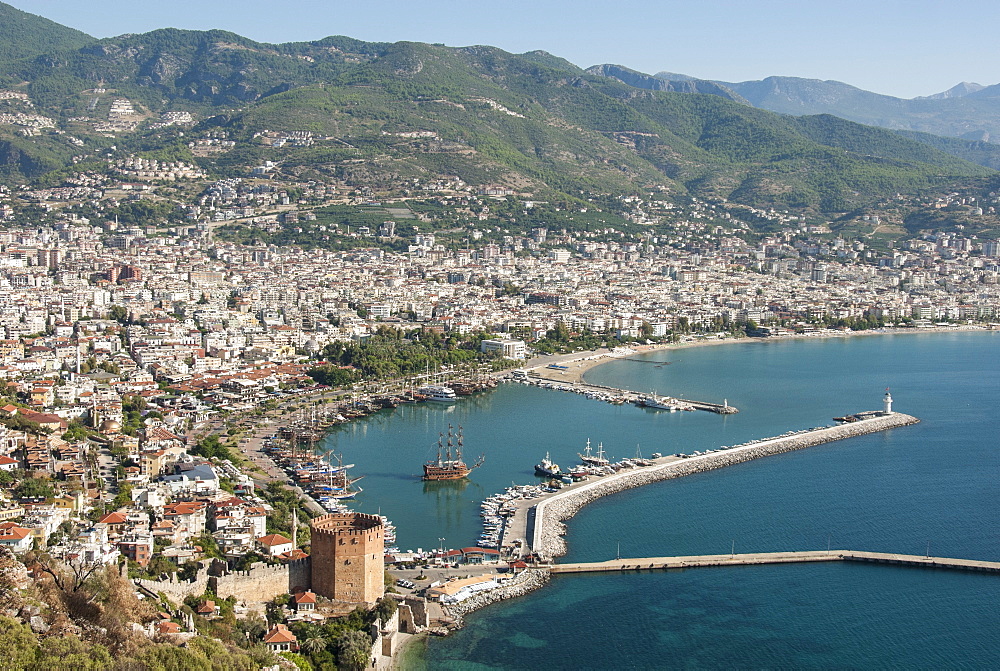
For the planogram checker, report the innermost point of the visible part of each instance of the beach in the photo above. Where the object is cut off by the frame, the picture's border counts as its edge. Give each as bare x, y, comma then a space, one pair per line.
580, 363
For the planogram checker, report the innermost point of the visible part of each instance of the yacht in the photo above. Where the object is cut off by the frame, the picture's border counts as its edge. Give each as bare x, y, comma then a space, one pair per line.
438, 392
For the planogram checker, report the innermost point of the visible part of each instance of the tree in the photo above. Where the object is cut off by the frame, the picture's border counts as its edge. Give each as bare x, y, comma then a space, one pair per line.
354, 649
69, 574
18, 644
119, 314
34, 488
313, 642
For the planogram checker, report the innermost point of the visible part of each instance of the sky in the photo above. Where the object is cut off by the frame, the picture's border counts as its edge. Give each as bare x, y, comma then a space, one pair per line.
903, 48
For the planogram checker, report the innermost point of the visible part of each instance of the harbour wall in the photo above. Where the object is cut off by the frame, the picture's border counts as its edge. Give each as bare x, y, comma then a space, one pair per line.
546, 517
759, 558
526, 581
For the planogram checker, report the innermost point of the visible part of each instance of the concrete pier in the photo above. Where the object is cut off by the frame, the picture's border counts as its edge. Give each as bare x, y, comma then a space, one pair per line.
651, 563
543, 524
578, 386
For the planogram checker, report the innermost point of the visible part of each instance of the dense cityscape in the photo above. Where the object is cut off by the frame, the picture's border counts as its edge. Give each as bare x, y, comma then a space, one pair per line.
190, 303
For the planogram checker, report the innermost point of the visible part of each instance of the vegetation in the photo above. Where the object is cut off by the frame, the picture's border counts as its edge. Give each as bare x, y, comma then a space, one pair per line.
390, 353
24, 35
343, 642
533, 121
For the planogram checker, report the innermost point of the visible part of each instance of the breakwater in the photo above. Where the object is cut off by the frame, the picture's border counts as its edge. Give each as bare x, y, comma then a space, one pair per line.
759, 558
526, 581
545, 519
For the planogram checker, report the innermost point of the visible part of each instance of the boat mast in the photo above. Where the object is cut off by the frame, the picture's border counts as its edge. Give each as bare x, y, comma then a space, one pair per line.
440, 441
458, 449
447, 454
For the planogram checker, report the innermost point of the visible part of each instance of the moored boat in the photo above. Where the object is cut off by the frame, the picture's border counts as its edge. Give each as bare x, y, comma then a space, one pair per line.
438, 393
589, 458
547, 468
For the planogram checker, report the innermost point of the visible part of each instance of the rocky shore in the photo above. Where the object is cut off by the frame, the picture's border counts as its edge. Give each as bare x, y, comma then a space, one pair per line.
551, 514
528, 580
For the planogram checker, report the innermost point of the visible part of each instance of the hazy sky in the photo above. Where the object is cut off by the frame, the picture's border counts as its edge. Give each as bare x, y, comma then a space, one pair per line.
904, 48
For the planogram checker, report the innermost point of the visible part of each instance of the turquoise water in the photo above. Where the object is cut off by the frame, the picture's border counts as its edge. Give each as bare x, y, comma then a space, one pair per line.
932, 486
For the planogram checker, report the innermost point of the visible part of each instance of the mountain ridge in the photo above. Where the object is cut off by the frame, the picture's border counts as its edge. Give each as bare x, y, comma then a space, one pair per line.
410, 110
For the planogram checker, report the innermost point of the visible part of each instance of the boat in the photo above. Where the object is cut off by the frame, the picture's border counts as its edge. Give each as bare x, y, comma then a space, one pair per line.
670, 403
339, 485
588, 458
438, 393
449, 465
547, 468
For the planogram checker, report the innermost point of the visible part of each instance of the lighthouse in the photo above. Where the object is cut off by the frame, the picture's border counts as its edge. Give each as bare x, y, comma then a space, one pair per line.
887, 403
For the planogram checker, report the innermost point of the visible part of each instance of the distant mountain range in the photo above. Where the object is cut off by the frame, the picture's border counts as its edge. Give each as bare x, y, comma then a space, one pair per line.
532, 122
969, 111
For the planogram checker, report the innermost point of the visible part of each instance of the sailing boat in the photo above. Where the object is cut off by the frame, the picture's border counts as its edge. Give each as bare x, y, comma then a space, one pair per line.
588, 458
340, 482
450, 466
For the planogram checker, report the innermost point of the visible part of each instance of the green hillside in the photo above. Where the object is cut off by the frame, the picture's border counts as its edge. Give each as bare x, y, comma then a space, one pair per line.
532, 122
24, 35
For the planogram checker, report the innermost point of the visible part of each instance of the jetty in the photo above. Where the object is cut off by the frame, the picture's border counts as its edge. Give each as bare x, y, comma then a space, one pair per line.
537, 527
759, 558
551, 378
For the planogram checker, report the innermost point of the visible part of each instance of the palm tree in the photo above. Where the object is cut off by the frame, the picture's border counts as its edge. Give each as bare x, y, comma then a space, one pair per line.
312, 643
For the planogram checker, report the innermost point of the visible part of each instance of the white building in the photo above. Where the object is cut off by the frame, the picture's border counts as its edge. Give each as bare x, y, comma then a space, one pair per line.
509, 349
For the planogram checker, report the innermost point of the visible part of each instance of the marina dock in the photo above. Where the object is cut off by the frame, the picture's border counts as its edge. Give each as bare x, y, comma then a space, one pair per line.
544, 377
652, 563
566, 374
537, 527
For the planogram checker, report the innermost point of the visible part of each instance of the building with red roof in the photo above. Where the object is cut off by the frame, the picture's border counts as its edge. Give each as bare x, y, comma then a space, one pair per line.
280, 639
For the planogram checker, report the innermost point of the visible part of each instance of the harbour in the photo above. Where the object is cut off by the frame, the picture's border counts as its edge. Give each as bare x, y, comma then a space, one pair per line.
536, 527
896, 491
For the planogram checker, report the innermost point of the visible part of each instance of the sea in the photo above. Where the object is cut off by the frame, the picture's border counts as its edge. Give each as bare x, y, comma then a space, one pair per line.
932, 488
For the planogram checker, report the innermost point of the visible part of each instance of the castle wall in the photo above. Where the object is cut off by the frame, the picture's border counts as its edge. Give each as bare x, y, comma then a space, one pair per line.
259, 584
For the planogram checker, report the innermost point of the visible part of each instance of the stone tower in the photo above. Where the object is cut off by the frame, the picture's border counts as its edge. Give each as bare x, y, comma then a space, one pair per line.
887, 403
347, 557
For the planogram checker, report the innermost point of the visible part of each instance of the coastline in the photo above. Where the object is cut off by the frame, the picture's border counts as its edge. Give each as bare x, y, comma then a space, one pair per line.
548, 542
890, 345
582, 364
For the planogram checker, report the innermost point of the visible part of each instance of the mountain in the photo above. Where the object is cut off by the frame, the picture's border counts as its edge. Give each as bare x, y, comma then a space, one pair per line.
974, 113
24, 35
956, 91
682, 84
385, 114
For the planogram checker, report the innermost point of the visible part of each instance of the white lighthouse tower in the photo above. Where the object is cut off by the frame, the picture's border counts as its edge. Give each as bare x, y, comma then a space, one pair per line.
887, 403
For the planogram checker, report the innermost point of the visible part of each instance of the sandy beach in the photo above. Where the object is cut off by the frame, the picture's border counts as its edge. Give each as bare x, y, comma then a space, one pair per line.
577, 365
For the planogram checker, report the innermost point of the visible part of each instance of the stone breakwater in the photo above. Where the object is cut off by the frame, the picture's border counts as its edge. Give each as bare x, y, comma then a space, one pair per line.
547, 538
526, 581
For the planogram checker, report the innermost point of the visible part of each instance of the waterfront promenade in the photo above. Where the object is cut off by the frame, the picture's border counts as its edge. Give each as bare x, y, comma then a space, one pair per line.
759, 558
538, 524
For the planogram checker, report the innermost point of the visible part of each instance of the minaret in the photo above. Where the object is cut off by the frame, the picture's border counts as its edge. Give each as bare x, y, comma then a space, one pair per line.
887, 403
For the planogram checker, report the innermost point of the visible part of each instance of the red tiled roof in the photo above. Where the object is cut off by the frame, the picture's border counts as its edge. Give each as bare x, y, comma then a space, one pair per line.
279, 634
305, 597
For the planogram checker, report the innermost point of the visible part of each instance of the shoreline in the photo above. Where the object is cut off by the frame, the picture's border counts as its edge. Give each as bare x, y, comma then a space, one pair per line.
585, 362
